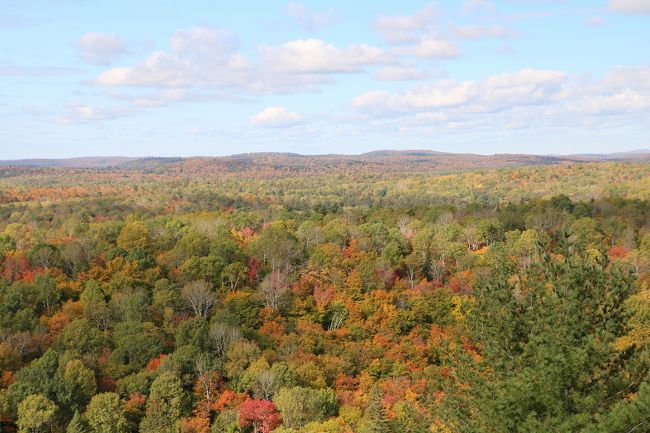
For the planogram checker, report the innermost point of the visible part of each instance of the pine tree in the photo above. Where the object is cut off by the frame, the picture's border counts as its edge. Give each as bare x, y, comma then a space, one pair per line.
628, 415
375, 419
76, 424
164, 405
543, 358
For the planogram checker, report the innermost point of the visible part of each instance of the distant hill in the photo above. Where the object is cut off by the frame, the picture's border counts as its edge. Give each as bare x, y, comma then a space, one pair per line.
270, 164
636, 155
83, 162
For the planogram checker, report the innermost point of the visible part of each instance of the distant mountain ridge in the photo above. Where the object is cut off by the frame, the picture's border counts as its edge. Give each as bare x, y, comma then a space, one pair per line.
80, 162
285, 163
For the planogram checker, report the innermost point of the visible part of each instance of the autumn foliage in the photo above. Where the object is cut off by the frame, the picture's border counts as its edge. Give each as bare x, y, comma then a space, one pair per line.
261, 415
282, 294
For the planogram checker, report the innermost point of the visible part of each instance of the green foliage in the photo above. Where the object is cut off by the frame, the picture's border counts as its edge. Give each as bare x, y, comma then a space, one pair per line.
35, 379
375, 419
77, 424
105, 414
79, 382
165, 404
299, 406
135, 344
36, 414
134, 235
81, 337
7, 244
163, 308
546, 343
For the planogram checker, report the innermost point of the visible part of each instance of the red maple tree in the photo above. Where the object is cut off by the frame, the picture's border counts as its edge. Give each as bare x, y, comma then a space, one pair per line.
260, 414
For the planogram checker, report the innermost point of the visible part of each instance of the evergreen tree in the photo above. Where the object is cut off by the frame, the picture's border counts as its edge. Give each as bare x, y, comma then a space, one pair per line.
544, 358
164, 405
77, 424
629, 415
375, 418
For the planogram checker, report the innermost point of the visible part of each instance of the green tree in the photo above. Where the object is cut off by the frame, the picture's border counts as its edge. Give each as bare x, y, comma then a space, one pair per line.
79, 383
77, 424
95, 306
375, 418
164, 406
547, 362
36, 414
233, 275
134, 235
7, 244
628, 415
105, 414
38, 378
136, 344
299, 406
81, 337
408, 419
47, 293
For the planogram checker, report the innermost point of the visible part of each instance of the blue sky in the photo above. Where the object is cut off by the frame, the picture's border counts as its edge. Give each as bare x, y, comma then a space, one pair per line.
135, 78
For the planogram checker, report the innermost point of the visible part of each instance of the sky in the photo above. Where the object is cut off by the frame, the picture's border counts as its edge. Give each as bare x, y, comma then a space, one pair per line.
213, 77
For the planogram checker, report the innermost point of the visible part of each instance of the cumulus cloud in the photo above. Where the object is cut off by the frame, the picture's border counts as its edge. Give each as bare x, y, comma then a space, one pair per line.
199, 56
630, 6
314, 56
100, 48
308, 20
422, 35
406, 28
276, 117
429, 48
524, 99
400, 73
623, 90
417, 35
208, 58
524, 87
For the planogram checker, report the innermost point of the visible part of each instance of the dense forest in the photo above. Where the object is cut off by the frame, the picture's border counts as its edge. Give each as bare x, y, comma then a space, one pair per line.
192, 298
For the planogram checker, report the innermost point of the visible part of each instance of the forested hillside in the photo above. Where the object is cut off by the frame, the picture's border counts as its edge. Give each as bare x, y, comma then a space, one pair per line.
275, 163
197, 296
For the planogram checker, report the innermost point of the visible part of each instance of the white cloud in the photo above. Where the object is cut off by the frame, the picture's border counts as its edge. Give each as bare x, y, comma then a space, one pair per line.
406, 28
200, 56
430, 49
625, 101
526, 99
276, 117
203, 41
314, 56
524, 87
630, 6
400, 73
76, 113
423, 36
310, 21
624, 76
472, 32
208, 59
417, 35
100, 48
